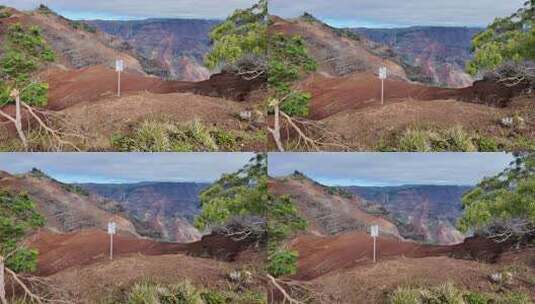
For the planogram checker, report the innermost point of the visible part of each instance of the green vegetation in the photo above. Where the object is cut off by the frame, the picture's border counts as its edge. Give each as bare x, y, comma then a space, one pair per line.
162, 136
510, 39
502, 206
4, 13
448, 293
340, 192
149, 292
242, 36
242, 193
283, 221
289, 61
282, 262
454, 139
23, 52
19, 217
80, 25
341, 32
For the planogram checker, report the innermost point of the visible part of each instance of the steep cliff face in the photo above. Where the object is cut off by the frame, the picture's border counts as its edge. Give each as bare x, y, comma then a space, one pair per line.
161, 210
329, 213
440, 53
76, 45
426, 213
169, 48
338, 52
66, 208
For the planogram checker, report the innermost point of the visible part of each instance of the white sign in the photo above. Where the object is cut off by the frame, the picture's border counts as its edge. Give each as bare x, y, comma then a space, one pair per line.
382, 73
374, 231
119, 65
112, 228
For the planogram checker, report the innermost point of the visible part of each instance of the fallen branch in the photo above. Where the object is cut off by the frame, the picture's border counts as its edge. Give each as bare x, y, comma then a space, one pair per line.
286, 297
27, 291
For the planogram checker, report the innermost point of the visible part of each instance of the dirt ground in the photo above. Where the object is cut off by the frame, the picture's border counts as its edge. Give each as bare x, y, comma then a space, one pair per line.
375, 122
332, 95
340, 268
70, 87
321, 255
99, 120
102, 279
78, 263
61, 251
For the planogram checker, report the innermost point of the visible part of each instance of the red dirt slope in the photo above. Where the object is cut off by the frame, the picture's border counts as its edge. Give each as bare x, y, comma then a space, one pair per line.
71, 87
58, 252
321, 255
61, 251
331, 95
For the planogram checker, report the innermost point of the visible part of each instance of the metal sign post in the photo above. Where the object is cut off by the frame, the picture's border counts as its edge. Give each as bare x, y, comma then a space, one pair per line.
119, 67
382, 75
374, 231
112, 229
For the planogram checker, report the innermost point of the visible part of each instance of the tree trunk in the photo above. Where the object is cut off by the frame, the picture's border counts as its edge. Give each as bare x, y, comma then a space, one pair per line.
3, 299
277, 129
18, 122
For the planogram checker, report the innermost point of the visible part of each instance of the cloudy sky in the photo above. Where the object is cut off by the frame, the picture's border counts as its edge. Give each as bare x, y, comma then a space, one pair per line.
136, 9
126, 167
398, 13
390, 169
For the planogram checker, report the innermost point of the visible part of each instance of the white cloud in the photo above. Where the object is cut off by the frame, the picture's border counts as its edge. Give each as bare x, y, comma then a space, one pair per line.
399, 12
205, 9
390, 168
126, 167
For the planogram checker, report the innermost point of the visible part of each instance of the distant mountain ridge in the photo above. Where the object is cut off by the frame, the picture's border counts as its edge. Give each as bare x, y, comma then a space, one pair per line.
440, 52
166, 209
169, 48
429, 212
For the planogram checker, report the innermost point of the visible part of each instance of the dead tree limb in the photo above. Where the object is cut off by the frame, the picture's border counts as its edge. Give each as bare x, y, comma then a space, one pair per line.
286, 297
17, 122
276, 130
27, 291
3, 299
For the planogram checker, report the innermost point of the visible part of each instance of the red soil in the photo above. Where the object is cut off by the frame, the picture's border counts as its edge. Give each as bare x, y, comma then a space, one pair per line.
321, 255
331, 95
58, 252
70, 87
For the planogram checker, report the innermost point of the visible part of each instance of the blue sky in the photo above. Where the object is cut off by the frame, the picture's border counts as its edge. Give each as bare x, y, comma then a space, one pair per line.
136, 9
126, 167
398, 13
390, 169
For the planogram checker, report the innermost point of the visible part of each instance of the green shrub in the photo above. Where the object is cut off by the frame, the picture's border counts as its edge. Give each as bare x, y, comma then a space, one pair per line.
213, 297
153, 293
297, 104
454, 139
476, 298
158, 136
4, 14
514, 298
445, 293
23, 52
405, 296
283, 262
486, 144
458, 140
414, 141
